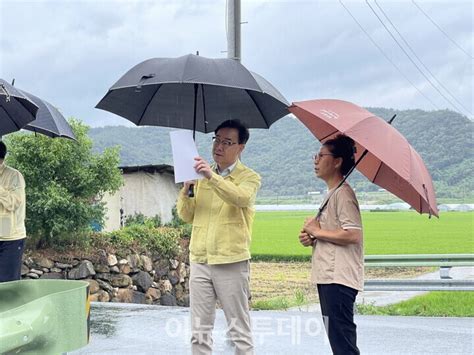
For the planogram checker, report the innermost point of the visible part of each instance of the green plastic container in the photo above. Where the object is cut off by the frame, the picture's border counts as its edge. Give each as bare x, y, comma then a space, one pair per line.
43, 316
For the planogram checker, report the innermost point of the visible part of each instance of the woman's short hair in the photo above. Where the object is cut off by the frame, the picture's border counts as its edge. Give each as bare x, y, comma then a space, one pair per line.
343, 147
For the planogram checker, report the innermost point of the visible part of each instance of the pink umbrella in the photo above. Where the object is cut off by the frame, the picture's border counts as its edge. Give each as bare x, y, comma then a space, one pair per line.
390, 161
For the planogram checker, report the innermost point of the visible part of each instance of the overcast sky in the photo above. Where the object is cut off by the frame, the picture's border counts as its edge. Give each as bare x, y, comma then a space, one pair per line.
70, 52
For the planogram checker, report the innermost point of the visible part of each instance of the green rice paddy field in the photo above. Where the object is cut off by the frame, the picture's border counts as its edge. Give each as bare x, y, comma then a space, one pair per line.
275, 234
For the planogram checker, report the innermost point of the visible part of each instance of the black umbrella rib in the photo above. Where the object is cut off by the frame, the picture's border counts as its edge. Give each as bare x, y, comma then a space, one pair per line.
10, 118
46, 132
16, 125
258, 108
148, 104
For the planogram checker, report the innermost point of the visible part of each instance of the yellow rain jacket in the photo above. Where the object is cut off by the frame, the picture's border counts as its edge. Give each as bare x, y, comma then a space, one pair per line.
222, 213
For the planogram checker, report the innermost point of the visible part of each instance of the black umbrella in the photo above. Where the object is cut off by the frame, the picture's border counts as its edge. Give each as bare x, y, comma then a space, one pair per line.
16, 110
49, 121
194, 92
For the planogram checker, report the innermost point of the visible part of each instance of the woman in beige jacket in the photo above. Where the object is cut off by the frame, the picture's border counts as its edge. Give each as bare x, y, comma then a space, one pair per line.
336, 237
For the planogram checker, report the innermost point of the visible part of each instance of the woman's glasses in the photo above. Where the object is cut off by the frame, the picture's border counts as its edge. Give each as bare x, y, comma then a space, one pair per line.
320, 155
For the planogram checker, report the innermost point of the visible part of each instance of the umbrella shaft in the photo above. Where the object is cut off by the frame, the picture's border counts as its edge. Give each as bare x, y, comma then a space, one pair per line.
194, 111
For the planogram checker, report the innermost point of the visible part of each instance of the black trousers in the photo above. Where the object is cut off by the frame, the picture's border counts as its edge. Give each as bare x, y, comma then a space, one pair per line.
11, 253
337, 307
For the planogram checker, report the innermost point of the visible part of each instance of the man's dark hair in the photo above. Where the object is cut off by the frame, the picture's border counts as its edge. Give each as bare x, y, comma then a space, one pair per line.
342, 147
239, 126
3, 150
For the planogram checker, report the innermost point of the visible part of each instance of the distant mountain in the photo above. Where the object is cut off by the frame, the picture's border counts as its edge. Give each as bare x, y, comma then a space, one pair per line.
282, 154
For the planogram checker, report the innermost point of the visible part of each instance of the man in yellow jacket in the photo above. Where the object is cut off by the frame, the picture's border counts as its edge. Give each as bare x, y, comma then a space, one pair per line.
12, 220
222, 215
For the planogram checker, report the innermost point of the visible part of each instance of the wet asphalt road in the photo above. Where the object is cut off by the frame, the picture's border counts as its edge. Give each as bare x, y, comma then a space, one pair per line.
138, 329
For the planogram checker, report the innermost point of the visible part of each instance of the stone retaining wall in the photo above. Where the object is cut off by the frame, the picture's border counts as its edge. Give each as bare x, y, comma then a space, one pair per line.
144, 279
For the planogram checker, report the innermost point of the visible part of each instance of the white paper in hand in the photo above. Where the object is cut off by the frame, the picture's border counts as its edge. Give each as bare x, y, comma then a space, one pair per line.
184, 151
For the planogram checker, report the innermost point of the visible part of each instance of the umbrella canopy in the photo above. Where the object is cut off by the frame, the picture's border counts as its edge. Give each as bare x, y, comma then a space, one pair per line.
49, 121
194, 92
16, 110
390, 162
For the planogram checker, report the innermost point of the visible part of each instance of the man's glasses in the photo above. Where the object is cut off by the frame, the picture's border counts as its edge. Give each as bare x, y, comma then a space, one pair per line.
320, 155
225, 143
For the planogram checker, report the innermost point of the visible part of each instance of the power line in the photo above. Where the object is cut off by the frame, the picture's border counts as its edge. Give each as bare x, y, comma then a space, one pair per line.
410, 58
441, 30
418, 58
386, 56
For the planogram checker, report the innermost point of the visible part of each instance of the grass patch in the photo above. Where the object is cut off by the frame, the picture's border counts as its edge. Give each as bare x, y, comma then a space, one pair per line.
272, 304
299, 298
433, 304
280, 285
163, 241
275, 234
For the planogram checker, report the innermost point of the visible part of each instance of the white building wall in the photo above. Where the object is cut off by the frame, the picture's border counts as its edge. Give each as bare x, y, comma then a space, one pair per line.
145, 193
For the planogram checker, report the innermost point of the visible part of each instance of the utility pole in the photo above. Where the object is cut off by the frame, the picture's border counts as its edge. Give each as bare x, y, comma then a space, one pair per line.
233, 29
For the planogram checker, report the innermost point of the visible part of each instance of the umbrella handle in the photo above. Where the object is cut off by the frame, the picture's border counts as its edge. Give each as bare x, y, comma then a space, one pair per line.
191, 191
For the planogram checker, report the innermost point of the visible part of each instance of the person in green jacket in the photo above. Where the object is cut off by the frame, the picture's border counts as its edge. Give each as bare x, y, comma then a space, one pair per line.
222, 214
12, 219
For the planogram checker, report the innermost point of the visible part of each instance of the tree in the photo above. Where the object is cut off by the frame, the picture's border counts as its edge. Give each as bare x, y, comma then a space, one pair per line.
65, 182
